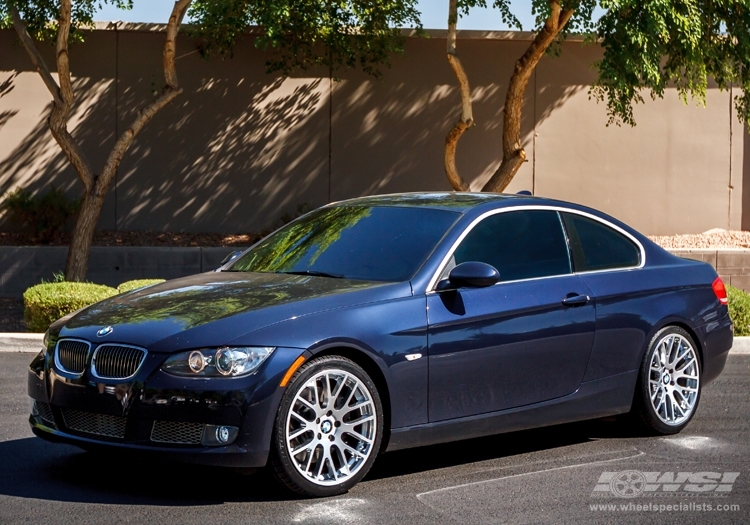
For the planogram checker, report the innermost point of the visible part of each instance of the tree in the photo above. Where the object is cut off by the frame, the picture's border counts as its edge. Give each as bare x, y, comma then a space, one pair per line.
62, 22
340, 34
303, 33
648, 45
467, 117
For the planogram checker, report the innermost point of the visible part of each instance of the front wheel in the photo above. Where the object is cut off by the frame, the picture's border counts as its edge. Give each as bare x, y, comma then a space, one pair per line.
669, 385
328, 428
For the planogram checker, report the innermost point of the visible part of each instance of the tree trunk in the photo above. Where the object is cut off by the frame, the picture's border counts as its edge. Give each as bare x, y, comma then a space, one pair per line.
80, 244
95, 187
467, 119
513, 153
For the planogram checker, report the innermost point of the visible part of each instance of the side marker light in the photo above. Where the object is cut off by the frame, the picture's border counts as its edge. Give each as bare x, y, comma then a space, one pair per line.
292, 369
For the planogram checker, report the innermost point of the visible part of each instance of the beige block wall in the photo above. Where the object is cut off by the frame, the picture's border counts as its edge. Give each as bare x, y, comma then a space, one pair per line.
733, 266
238, 148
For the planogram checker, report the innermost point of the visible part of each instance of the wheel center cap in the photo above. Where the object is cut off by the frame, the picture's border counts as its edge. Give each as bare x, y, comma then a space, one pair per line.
666, 378
326, 427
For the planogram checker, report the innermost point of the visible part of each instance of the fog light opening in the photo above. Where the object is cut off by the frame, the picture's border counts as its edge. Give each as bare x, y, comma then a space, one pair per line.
219, 435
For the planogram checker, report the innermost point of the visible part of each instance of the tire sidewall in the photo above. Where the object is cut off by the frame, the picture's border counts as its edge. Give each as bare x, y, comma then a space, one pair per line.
646, 409
279, 449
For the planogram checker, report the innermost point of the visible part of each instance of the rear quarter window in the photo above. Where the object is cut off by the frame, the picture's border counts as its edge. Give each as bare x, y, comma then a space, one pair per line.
596, 246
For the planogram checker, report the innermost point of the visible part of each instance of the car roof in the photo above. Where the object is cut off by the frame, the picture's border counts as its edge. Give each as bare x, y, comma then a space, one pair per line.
453, 201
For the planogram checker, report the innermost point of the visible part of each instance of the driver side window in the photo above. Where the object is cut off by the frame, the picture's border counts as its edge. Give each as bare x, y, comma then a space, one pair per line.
522, 244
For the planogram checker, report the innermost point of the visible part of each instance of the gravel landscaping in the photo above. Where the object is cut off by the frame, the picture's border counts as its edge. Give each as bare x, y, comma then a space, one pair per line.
712, 239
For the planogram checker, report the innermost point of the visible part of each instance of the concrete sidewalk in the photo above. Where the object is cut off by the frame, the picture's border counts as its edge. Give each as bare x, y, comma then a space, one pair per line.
10, 342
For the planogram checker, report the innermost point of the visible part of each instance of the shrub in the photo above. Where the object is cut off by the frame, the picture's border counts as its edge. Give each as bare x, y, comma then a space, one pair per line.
45, 216
129, 286
47, 302
739, 310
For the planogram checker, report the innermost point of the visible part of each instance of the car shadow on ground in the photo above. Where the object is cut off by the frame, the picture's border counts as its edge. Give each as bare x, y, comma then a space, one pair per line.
33, 468
412, 461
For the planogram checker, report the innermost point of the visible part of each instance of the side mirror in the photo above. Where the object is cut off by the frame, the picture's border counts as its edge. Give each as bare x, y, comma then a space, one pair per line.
229, 258
470, 274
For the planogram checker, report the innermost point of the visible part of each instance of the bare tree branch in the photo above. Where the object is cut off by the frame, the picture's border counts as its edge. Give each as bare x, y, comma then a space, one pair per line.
33, 52
62, 95
467, 119
171, 90
513, 153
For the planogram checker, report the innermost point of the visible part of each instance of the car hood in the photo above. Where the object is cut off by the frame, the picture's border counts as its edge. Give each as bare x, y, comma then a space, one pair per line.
213, 309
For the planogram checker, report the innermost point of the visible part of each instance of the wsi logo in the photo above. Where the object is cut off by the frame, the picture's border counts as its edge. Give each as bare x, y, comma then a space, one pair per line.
632, 483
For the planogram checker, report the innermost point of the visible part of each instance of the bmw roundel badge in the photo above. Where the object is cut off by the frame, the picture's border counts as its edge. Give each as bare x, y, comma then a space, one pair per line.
105, 331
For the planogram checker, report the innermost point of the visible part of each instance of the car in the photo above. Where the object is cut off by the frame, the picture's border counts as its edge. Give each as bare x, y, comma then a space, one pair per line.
383, 323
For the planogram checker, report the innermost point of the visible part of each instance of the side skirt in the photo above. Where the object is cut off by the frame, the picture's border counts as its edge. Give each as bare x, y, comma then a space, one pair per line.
603, 397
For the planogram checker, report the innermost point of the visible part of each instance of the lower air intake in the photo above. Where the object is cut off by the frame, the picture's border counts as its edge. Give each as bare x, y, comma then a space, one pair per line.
177, 433
45, 412
96, 424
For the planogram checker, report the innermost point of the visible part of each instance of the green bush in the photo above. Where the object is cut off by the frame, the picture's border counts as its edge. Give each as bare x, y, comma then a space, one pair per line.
45, 303
129, 286
45, 216
739, 310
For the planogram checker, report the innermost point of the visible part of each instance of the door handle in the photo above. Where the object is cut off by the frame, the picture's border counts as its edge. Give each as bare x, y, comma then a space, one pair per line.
576, 300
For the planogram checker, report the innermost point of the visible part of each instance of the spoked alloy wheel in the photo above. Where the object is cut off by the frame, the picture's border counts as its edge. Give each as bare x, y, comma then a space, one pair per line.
670, 381
674, 379
328, 429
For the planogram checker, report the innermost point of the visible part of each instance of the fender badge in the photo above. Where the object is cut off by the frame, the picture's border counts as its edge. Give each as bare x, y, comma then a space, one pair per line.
105, 331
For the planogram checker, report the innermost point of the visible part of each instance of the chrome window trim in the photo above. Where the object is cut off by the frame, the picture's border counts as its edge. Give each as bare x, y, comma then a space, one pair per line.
60, 367
441, 268
93, 360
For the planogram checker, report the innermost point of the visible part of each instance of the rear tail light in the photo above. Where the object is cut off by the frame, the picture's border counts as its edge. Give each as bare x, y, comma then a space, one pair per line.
720, 290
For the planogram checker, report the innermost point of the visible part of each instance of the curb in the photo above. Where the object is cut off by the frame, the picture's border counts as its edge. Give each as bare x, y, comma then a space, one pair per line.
20, 342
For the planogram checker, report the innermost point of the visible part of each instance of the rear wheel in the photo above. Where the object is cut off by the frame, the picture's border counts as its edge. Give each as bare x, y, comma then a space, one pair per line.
328, 428
669, 385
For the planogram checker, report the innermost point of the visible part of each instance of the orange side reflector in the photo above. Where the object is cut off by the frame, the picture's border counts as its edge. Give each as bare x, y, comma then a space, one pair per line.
292, 369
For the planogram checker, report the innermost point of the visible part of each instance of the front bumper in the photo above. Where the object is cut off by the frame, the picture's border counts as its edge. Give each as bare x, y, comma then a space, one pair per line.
92, 413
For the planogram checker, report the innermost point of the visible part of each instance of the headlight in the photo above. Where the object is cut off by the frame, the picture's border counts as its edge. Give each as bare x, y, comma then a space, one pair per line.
219, 362
45, 339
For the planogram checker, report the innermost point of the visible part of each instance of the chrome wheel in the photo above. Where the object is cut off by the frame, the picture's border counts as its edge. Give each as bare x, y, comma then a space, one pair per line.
331, 427
674, 379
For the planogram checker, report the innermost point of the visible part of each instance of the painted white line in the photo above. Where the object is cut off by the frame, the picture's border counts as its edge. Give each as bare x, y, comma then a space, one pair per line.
566, 467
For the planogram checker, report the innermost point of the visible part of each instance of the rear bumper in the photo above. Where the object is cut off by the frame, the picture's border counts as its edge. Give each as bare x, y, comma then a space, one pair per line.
716, 338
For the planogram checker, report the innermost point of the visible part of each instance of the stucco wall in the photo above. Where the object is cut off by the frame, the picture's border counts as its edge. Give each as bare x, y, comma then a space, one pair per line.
239, 147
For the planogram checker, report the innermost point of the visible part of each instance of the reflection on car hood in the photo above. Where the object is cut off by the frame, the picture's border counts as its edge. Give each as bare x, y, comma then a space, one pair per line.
212, 309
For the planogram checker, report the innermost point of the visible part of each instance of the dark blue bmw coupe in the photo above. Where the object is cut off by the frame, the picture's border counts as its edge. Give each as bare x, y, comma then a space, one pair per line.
389, 322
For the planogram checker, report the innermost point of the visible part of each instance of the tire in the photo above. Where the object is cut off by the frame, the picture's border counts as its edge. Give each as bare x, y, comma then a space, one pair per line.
322, 446
669, 384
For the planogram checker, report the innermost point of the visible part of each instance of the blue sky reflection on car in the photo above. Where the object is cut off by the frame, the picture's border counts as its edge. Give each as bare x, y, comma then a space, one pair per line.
352, 242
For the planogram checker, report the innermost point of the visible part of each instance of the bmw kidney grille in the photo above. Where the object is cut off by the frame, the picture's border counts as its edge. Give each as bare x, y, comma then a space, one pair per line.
117, 362
71, 355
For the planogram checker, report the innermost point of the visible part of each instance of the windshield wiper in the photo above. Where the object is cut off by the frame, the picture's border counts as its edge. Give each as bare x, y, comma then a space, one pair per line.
314, 273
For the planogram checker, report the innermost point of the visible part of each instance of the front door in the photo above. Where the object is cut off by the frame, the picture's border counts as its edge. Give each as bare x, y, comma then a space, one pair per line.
524, 340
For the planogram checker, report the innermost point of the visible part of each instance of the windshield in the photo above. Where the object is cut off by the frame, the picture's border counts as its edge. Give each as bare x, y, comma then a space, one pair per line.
370, 243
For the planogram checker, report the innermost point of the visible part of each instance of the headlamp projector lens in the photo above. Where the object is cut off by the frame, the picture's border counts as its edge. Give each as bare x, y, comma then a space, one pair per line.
196, 361
225, 361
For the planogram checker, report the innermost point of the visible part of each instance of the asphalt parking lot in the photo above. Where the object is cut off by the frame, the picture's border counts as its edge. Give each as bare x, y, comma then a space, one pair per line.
590, 472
